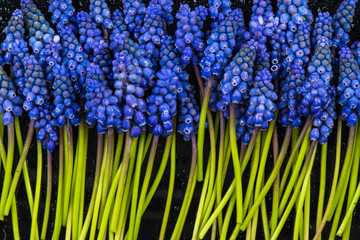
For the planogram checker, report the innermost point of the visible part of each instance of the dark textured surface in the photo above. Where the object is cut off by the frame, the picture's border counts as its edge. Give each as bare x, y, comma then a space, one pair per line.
152, 218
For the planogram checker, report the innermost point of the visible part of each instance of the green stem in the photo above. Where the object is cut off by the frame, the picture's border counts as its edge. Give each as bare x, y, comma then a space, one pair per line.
334, 182
306, 170
344, 172
236, 165
264, 218
220, 167
160, 172
14, 220
172, 183
58, 215
136, 182
25, 171
8, 170
201, 130
68, 171
83, 178
89, 214
249, 150
322, 186
294, 154
119, 147
121, 185
295, 174
227, 217
254, 168
77, 178
275, 199
145, 185
307, 211
48, 195
34, 231
270, 180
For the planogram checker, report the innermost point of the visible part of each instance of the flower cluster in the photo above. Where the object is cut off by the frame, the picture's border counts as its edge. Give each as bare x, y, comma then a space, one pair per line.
62, 13
102, 106
217, 10
100, 13
323, 27
261, 109
39, 29
355, 47
238, 76
290, 98
220, 45
162, 103
300, 48
166, 9
343, 19
189, 33
10, 102
87, 30
65, 105
134, 12
74, 57
120, 28
189, 115
348, 87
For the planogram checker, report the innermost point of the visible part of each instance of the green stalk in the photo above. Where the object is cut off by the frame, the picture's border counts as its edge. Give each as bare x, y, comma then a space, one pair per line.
121, 185
145, 185
275, 198
83, 178
353, 181
254, 168
161, 171
95, 215
227, 217
349, 212
306, 171
89, 214
220, 167
20, 166
249, 150
34, 230
294, 176
307, 211
107, 180
236, 165
136, 182
294, 154
322, 187
119, 146
344, 172
58, 215
69, 161
171, 183
270, 180
334, 182
264, 218
201, 130
128, 188
1, 127
77, 178
8, 169
25, 171
48, 195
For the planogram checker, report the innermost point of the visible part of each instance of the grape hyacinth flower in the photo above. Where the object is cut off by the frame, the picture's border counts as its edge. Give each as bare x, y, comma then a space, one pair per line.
101, 105
39, 29
10, 102
348, 88
290, 98
120, 28
300, 48
238, 77
261, 110
323, 27
162, 103
189, 33
100, 13
62, 13
342, 21
355, 47
217, 10
65, 105
134, 12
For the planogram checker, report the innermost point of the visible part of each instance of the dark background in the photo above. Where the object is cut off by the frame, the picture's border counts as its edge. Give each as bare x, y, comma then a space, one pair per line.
151, 221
